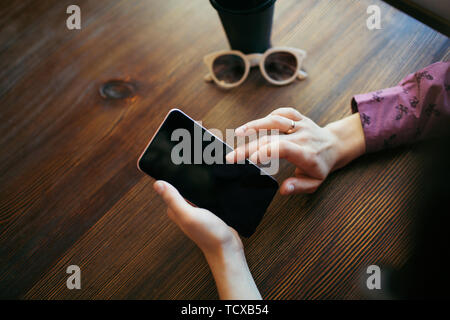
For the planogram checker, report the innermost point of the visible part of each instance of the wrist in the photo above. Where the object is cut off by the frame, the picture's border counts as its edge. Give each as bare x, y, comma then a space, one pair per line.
349, 143
225, 253
231, 273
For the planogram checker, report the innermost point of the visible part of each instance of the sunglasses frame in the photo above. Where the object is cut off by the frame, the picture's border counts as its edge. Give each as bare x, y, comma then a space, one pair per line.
253, 60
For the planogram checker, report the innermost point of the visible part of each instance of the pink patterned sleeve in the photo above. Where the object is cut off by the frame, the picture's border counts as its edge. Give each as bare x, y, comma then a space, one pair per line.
416, 109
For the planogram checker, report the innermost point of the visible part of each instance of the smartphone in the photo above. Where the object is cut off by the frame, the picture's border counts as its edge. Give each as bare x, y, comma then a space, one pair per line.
192, 159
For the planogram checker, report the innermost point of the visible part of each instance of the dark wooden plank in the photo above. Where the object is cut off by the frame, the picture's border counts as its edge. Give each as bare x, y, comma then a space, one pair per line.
69, 189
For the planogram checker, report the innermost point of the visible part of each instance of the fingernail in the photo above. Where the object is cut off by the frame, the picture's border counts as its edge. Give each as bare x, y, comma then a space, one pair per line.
254, 158
230, 157
289, 188
158, 186
240, 130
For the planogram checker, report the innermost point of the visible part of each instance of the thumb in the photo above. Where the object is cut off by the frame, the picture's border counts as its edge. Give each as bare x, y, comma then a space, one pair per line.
172, 198
300, 184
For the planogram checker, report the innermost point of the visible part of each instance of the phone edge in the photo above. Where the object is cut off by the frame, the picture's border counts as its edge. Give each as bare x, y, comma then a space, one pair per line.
164, 120
153, 137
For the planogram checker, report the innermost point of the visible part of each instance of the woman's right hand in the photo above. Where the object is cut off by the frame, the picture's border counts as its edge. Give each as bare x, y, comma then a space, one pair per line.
314, 150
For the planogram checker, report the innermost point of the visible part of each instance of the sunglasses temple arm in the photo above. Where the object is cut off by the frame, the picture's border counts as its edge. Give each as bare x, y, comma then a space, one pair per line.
208, 78
302, 75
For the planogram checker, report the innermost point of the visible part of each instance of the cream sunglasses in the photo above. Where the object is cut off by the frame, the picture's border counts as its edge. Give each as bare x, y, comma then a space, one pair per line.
279, 66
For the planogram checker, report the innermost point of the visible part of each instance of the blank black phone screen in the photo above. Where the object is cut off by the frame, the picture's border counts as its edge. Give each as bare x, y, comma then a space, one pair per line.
237, 193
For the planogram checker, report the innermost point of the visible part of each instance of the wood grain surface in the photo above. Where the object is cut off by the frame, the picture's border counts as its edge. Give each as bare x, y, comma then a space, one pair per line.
70, 192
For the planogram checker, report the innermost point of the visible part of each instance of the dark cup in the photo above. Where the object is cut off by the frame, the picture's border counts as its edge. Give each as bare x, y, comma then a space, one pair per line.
247, 23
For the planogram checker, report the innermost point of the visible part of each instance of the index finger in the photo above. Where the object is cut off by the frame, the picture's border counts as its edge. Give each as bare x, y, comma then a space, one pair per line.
272, 121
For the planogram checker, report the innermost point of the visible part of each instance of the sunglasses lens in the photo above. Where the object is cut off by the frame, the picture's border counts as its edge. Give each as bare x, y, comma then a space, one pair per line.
229, 68
280, 66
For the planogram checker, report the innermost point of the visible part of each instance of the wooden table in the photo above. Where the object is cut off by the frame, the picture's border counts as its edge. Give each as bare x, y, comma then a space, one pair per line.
70, 193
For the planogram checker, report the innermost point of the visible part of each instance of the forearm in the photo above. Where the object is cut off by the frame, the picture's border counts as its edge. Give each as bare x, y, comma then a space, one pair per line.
417, 109
349, 143
232, 275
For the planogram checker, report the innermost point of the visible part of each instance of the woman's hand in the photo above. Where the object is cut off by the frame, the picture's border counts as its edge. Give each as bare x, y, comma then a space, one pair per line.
220, 244
206, 229
314, 150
